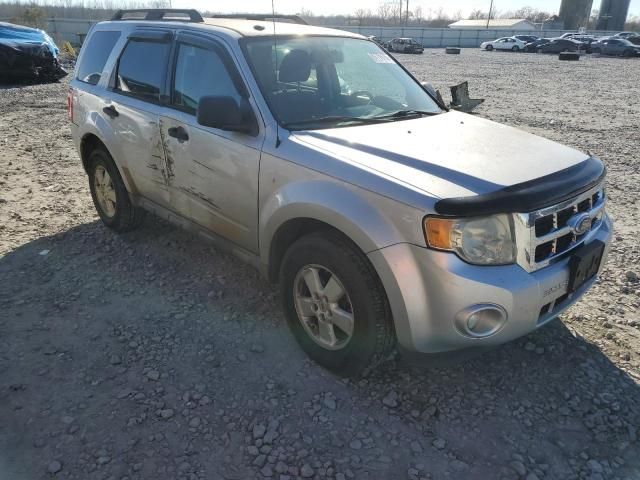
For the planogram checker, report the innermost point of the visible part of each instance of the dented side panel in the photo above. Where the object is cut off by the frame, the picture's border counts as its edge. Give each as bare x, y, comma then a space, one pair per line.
137, 131
213, 178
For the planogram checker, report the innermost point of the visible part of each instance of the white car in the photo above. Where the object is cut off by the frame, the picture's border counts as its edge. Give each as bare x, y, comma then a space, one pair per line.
504, 43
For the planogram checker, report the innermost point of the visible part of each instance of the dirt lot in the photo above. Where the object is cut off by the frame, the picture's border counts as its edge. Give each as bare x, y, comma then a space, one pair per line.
152, 355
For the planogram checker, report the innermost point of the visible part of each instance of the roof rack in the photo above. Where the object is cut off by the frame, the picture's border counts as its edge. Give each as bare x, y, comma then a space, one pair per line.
266, 17
167, 14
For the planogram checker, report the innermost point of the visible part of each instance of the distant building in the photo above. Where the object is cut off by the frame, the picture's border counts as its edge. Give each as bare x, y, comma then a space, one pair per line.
613, 14
575, 13
495, 24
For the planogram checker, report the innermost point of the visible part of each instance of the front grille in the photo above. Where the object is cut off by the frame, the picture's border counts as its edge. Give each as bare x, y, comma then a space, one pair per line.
547, 234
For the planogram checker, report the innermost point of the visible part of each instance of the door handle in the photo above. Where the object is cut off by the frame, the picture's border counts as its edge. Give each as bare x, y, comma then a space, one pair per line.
111, 111
179, 133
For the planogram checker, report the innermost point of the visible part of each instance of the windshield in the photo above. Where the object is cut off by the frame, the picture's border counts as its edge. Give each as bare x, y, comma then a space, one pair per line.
322, 82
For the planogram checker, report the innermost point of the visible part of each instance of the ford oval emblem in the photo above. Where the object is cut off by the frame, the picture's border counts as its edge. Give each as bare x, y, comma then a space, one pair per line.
580, 224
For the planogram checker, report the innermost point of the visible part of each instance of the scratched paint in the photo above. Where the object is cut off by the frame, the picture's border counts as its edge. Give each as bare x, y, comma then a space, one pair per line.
165, 148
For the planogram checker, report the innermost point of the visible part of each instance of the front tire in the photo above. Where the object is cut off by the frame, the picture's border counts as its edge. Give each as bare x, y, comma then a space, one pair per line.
515, 48
110, 195
489, 48
335, 304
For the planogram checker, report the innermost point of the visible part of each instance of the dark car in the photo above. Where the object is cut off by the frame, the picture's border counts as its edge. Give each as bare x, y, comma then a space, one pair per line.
559, 45
626, 34
635, 39
28, 55
616, 46
533, 46
587, 40
405, 45
527, 38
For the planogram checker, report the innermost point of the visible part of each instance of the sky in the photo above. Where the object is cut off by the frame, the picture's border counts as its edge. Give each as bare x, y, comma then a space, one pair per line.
327, 7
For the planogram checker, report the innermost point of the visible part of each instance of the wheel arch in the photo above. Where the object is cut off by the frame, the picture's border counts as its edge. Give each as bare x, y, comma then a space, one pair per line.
311, 206
88, 143
91, 140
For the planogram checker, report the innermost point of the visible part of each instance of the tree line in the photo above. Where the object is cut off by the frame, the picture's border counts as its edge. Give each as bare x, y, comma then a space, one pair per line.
386, 13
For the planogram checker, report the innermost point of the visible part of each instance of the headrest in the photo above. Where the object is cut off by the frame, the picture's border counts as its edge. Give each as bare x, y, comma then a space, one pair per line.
295, 67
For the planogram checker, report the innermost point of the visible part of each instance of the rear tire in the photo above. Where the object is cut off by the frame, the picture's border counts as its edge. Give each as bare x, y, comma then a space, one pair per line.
110, 196
515, 48
326, 258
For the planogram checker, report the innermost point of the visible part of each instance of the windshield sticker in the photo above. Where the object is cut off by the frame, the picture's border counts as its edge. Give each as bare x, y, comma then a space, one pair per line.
380, 58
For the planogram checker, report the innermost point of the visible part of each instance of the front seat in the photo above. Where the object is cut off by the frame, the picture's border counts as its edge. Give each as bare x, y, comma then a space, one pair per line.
299, 103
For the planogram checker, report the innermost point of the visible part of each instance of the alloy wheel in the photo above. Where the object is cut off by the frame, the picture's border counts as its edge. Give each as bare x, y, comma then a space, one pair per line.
323, 307
105, 191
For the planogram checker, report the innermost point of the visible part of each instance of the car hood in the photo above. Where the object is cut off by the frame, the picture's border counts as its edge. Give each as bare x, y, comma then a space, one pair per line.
447, 155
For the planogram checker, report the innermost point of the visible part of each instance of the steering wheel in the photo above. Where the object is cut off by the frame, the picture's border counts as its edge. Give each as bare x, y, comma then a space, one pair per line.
363, 93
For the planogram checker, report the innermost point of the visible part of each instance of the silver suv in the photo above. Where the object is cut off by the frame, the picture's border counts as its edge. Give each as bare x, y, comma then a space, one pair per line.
312, 154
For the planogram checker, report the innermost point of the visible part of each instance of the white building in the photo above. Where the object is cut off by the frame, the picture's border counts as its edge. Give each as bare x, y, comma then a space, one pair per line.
495, 24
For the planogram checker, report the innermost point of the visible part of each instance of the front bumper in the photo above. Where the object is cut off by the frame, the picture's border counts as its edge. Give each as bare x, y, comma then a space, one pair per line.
427, 288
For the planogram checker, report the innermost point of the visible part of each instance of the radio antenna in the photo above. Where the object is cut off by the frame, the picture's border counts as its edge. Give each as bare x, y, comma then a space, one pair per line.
275, 57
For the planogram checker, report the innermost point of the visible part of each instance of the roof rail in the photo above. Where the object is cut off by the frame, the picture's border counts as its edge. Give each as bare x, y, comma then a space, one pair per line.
167, 14
266, 17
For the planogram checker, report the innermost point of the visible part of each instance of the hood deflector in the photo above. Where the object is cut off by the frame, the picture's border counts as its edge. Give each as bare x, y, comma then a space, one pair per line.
531, 195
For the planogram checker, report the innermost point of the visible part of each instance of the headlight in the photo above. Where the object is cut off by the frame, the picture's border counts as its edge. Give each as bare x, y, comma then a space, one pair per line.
481, 241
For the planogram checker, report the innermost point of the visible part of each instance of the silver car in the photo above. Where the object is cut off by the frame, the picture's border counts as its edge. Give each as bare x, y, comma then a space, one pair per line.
312, 154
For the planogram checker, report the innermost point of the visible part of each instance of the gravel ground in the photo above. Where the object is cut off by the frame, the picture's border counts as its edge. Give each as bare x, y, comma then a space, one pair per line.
152, 355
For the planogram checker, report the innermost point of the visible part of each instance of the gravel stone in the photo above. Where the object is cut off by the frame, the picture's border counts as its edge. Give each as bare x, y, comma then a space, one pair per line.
439, 443
391, 399
54, 467
166, 413
306, 471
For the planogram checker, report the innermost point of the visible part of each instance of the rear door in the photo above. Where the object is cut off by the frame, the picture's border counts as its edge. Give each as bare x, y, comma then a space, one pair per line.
132, 108
503, 44
214, 172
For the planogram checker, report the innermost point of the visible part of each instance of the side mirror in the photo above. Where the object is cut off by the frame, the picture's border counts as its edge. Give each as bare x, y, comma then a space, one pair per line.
429, 88
435, 94
224, 113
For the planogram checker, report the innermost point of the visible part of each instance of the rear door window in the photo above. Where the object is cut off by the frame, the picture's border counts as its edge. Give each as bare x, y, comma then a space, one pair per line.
141, 69
96, 52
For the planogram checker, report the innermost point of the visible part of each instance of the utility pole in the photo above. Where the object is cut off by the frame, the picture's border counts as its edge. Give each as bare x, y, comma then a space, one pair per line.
489, 16
406, 14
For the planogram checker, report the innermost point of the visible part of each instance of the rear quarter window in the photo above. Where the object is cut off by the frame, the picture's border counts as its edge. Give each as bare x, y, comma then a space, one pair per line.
96, 51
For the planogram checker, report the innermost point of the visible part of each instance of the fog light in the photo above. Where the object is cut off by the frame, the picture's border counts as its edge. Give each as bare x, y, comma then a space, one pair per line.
482, 320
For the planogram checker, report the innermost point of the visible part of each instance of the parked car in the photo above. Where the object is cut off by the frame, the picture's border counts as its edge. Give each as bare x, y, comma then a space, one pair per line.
526, 38
616, 46
559, 45
504, 43
626, 34
28, 55
405, 45
635, 39
533, 46
376, 230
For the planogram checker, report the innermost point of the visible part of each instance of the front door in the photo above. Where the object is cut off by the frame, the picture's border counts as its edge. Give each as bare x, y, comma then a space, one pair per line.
214, 178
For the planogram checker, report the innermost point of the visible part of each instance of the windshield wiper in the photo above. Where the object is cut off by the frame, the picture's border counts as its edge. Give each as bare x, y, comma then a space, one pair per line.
405, 113
333, 119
